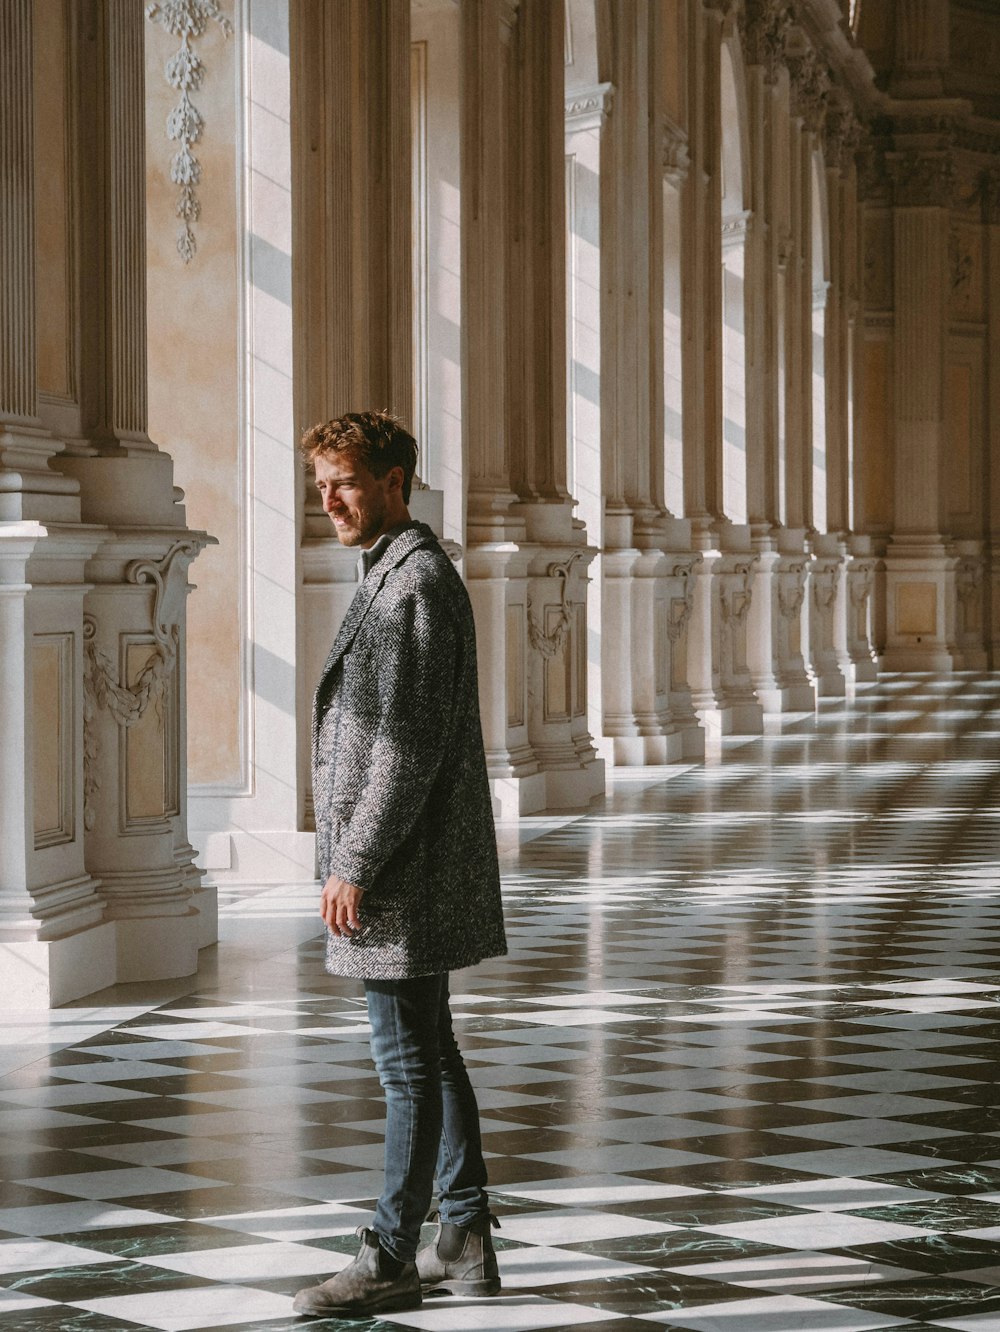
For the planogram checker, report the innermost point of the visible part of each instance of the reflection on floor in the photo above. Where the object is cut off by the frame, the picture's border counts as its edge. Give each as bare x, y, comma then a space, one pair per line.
738, 1072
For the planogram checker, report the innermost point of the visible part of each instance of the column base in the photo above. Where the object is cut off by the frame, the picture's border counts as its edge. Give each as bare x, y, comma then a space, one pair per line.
746, 718
554, 788
637, 751
158, 947
39, 975
799, 697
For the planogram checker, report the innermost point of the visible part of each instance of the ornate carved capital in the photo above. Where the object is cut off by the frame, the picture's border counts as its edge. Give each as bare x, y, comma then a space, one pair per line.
810, 83
589, 108
764, 30
922, 179
675, 152
842, 137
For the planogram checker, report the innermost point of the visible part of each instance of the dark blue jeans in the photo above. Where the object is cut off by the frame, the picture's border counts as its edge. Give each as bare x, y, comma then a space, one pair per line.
432, 1119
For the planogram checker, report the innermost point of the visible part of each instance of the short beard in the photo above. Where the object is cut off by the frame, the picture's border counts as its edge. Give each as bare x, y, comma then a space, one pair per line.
370, 523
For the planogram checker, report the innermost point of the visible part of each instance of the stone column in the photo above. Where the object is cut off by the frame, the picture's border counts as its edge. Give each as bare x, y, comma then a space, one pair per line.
526, 557
638, 567
774, 622
135, 729
351, 267
991, 214
828, 600
29, 489
54, 944
721, 688
920, 569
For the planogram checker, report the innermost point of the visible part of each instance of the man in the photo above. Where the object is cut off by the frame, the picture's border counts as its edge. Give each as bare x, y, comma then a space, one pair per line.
407, 852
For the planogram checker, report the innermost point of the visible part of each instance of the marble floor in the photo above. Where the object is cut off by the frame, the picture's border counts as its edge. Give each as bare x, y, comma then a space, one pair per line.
738, 1072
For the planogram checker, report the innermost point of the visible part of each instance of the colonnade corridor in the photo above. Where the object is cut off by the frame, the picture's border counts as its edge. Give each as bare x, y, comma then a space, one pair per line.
738, 1072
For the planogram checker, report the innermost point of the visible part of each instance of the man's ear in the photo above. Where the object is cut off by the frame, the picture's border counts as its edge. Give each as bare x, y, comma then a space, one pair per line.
395, 478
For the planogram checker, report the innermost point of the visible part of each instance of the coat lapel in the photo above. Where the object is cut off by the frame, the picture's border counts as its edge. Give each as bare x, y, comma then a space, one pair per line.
399, 550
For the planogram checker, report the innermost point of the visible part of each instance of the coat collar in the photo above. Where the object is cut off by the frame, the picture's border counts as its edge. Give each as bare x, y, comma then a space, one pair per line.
400, 549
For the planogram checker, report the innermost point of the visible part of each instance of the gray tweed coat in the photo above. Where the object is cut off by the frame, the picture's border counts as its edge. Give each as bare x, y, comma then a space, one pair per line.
402, 802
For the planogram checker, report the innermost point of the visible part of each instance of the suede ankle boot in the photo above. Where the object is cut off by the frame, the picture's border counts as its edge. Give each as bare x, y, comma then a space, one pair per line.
460, 1259
373, 1283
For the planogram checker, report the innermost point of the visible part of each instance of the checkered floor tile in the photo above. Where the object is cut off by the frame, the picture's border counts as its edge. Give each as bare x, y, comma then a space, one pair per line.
738, 1072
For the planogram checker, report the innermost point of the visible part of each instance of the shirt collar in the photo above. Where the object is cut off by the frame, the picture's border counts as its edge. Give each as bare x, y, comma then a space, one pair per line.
371, 556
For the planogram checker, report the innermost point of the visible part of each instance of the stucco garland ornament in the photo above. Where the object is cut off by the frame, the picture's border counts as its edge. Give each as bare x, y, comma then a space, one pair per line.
186, 19
552, 643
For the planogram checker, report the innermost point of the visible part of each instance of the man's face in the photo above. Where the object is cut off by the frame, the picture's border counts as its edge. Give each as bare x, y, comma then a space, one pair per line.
356, 502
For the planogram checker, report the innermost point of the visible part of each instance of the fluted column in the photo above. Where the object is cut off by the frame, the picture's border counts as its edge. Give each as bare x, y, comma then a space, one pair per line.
920, 570
526, 557
352, 194
646, 561
701, 279
29, 489
991, 201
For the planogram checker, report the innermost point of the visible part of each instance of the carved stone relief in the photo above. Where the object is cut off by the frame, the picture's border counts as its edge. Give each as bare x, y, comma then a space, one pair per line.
551, 641
102, 688
764, 30
675, 152
185, 72
922, 179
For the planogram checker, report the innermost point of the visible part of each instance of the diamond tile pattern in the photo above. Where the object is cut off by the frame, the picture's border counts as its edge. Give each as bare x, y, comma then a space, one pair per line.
739, 1071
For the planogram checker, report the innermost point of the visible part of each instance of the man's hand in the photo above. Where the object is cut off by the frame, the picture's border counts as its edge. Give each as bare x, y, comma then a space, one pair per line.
339, 905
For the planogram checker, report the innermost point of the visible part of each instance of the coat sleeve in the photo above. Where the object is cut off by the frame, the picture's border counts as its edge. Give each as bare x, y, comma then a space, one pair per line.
415, 678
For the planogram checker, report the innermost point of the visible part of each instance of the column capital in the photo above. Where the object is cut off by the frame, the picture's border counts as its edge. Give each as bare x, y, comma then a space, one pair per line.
588, 108
843, 134
810, 86
676, 159
922, 179
764, 31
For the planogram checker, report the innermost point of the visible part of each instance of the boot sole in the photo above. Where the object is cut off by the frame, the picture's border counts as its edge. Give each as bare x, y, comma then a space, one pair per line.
394, 1305
488, 1286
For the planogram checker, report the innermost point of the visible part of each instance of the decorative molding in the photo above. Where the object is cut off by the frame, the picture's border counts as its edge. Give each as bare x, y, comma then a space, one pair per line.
169, 577
588, 108
735, 229
552, 643
682, 607
91, 743
961, 265
922, 179
843, 136
810, 86
860, 581
185, 72
764, 31
968, 579
824, 588
791, 592
736, 594
676, 159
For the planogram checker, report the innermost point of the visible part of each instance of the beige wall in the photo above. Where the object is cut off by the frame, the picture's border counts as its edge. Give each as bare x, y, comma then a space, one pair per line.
194, 381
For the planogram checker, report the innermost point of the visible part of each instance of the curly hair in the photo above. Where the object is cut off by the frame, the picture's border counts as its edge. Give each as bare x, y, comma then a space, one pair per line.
377, 439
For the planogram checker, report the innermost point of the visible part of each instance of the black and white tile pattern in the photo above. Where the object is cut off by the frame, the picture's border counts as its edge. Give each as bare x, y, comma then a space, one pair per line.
737, 1074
